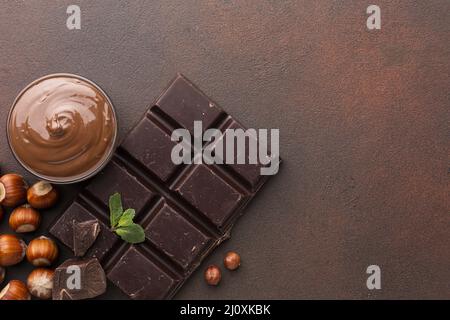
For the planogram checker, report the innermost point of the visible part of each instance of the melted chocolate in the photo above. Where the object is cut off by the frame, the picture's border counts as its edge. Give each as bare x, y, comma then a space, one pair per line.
62, 128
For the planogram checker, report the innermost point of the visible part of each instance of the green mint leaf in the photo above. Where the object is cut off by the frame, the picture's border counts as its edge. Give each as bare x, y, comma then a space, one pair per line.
115, 209
132, 233
122, 221
126, 219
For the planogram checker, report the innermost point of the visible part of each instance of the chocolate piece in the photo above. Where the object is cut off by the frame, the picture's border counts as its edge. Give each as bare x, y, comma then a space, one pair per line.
114, 179
79, 279
152, 147
184, 243
84, 235
63, 230
250, 172
139, 277
210, 194
185, 210
184, 103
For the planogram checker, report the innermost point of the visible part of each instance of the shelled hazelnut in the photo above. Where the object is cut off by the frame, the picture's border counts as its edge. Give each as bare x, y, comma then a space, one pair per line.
42, 251
24, 219
15, 290
40, 283
213, 275
12, 250
13, 190
42, 195
232, 260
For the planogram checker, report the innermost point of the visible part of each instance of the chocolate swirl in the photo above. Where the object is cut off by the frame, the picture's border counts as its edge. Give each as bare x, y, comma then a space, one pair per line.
62, 128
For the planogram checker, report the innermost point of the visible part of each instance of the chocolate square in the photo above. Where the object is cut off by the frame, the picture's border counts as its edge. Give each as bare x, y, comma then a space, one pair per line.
140, 278
184, 103
151, 146
210, 194
250, 172
182, 242
114, 178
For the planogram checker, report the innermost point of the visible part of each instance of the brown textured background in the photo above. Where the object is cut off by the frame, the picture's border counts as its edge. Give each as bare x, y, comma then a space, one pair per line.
364, 120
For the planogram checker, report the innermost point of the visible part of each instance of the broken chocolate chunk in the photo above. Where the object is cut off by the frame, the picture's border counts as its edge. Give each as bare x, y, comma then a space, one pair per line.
63, 230
84, 235
79, 279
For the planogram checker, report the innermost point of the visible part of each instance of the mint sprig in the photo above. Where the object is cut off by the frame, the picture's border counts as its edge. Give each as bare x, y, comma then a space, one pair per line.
115, 209
122, 221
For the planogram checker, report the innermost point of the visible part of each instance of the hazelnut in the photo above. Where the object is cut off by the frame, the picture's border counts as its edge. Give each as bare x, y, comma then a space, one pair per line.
2, 274
15, 290
24, 219
232, 260
40, 283
42, 252
1, 213
12, 250
13, 190
213, 275
42, 195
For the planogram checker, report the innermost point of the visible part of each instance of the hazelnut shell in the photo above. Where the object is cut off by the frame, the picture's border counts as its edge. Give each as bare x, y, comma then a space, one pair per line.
13, 190
40, 283
15, 290
24, 219
42, 252
42, 195
12, 250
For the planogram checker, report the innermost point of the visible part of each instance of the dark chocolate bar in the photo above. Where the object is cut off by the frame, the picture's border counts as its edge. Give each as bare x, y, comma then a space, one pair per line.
186, 210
